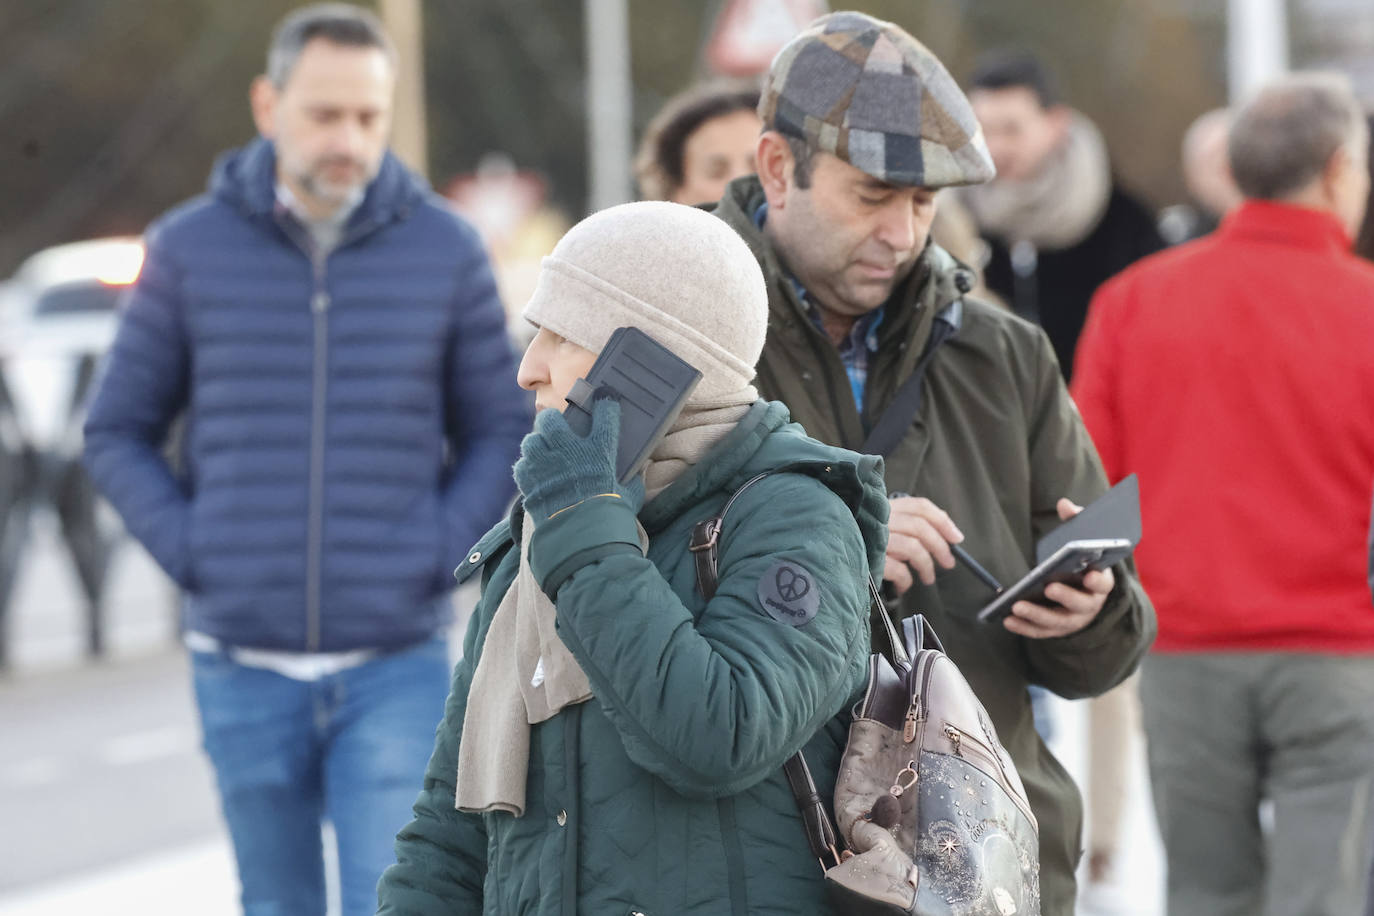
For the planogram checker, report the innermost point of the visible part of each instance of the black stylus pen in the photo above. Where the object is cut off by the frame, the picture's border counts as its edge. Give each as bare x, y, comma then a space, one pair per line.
962, 556
976, 568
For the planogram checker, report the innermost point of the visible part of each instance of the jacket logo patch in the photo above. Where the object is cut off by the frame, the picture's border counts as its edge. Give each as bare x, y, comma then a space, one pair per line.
788, 594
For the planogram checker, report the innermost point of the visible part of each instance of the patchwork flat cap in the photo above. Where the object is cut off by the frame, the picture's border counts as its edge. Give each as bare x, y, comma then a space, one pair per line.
867, 92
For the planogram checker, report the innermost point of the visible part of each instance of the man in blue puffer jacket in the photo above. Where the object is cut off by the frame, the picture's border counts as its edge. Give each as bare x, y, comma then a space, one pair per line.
334, 337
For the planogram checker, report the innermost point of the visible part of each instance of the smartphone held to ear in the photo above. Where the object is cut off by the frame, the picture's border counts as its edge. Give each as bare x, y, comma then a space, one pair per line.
651, 384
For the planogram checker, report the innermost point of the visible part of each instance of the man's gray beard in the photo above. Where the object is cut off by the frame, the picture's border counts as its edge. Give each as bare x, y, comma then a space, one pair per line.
332, 194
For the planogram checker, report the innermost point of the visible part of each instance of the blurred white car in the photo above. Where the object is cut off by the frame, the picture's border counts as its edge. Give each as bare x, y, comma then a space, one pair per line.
58, 316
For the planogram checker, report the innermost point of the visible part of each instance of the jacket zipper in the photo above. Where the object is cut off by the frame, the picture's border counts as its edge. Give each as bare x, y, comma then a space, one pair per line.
314, 573
958, 737
319, 309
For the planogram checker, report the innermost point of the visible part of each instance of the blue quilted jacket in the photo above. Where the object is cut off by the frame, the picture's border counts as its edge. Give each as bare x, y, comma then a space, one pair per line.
351, 420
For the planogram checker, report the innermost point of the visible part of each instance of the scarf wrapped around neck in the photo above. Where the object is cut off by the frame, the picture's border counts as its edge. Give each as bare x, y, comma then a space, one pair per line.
1058, 206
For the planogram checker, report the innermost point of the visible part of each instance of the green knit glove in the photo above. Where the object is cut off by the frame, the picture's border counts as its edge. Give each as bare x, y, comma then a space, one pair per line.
579, 510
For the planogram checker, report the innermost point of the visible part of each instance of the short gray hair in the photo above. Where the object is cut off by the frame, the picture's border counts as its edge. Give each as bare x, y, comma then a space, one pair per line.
339, 23
1283, 137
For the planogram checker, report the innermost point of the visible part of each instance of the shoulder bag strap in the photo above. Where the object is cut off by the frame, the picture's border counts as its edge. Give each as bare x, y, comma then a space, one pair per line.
891, 427
820, 829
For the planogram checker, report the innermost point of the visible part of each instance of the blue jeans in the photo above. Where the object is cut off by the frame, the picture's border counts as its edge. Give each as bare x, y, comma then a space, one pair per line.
351, 747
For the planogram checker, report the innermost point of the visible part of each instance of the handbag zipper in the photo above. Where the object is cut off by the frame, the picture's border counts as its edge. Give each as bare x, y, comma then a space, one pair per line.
958, 737
915, 713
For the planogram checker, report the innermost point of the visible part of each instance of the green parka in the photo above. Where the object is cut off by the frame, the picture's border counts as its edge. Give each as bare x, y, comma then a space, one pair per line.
997, 442
664, 794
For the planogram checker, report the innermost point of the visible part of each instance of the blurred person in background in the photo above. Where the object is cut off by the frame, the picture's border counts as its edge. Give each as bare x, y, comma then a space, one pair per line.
615, 739
700, 141
1364, 241
1207, 174
1234, 375
863, 126
1056, 221
1364, 247
333, 334
1114, 726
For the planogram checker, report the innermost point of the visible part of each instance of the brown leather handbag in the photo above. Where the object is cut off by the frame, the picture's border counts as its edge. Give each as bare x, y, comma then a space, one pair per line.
932, 817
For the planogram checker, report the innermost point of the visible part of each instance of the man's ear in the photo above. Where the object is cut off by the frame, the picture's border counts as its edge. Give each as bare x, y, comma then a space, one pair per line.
774, 162
1333, 173
262, 98
1340, 177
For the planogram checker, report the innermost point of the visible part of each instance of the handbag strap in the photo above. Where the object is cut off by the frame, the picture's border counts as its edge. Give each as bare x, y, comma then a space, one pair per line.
920, 635
821, 835
820, 829
906, 403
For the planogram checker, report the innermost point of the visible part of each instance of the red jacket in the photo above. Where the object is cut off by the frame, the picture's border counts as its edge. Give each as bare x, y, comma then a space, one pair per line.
1235, 375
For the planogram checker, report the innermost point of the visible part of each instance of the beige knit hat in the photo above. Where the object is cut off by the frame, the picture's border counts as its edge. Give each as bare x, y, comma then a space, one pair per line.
676, 273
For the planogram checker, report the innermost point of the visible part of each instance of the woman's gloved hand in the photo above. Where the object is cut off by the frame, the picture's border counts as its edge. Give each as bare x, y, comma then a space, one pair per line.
580, 511
558, 469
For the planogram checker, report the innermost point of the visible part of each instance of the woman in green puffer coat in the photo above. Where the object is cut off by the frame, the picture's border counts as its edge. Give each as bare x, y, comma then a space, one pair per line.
614, 741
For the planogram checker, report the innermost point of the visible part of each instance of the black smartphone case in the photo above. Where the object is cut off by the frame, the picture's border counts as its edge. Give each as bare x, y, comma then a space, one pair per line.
1078, 557
1114, 514
651, 383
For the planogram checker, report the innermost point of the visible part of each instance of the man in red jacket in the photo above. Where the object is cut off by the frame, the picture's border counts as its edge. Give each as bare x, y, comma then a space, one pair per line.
1235, 375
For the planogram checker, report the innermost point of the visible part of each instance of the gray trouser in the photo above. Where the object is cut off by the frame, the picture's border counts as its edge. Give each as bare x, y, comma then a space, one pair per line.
1228, 730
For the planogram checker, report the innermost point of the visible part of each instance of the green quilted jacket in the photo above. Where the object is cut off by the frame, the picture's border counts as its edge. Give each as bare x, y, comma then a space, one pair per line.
665, 794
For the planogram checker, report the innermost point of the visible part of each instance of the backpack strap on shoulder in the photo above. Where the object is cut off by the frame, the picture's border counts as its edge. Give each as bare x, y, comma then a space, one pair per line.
705, 543
890, 428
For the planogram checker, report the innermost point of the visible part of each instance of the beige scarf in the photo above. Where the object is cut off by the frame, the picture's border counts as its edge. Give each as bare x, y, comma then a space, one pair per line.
1060, 205
526, 675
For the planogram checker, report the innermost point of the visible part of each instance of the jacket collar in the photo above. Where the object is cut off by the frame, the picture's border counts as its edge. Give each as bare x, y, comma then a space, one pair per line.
246, 178
1286, 224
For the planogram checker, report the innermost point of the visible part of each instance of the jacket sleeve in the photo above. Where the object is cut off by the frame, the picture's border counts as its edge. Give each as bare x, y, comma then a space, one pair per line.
441, 855
1064, 463
142, 388
486, 412
713, 703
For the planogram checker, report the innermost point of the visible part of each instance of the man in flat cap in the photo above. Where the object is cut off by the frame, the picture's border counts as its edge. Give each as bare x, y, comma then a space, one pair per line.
873, 345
